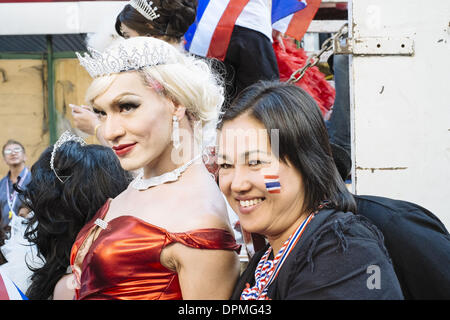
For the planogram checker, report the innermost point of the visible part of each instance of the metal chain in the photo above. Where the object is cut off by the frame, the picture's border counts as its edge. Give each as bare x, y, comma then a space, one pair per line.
314, 59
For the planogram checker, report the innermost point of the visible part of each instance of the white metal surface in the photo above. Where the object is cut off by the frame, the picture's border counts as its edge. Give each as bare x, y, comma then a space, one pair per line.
325, 26
400, 105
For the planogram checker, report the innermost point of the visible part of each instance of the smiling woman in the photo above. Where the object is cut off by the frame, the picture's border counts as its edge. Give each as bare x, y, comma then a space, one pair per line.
152, 101
278, 174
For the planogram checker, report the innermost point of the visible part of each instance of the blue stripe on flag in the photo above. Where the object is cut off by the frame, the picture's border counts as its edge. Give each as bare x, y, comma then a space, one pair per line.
272, 184
189, 35
283, 8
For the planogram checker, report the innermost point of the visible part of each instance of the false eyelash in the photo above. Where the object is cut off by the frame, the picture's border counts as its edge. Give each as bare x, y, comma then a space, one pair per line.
98, 112
131, 105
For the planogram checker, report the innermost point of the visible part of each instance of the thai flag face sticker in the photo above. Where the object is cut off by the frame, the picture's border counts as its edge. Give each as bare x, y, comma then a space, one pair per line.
272, 183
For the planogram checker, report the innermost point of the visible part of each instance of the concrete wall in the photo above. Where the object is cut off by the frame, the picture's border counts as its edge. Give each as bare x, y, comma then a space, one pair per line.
23, 102
23, 108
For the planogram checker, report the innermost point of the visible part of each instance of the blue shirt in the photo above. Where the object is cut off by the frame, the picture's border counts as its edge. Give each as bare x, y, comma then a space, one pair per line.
7, 192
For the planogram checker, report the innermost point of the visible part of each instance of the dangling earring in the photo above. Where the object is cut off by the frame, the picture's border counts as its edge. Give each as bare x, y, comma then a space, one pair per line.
175, 133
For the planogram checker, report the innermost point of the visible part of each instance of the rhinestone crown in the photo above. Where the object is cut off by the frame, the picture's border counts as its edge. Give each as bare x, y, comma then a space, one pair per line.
130, 54
65, 137
145, 8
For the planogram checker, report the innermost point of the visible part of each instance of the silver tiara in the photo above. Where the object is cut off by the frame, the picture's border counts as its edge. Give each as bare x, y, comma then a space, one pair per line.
122, 58
145, 8
65, 137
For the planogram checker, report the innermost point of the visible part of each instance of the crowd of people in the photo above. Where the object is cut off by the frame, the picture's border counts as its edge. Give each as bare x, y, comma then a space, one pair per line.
145, 213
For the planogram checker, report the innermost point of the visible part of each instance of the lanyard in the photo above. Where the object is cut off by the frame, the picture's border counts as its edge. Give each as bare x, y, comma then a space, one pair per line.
12, 199
267, 270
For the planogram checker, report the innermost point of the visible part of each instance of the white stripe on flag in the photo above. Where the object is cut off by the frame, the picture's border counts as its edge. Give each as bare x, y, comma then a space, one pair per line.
206, 27
283, 24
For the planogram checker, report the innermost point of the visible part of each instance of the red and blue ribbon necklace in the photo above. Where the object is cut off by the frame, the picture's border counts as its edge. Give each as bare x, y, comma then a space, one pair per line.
267, 270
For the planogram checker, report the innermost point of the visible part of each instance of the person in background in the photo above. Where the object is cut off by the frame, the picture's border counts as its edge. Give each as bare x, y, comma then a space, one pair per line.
233, 32
14, 156
62, 200
317, 248
16, 251
171, 20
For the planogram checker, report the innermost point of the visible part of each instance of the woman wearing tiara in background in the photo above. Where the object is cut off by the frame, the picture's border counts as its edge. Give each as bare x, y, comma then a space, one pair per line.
71, 181
167, 236
167, 20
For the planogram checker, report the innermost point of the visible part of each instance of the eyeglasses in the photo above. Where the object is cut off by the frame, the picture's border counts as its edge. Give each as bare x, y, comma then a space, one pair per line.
7, 152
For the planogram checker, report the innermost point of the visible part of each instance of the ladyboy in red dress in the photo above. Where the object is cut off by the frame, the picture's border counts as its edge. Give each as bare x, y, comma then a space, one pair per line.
167, 236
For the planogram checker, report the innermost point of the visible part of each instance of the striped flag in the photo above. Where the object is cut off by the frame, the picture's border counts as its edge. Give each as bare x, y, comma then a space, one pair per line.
272, 183
295, 25
8, 290
284, 8
210, 34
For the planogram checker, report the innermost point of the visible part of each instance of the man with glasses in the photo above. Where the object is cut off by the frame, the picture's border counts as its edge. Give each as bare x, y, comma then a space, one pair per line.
10, 204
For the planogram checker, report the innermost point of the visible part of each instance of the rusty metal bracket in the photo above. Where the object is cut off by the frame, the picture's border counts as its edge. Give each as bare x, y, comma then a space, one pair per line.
374, 46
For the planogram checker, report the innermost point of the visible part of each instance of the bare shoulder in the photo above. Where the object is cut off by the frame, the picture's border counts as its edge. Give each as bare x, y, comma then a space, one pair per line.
64, 288
207, 207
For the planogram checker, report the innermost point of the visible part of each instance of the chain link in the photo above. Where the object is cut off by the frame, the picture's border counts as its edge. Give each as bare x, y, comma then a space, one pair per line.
314, 59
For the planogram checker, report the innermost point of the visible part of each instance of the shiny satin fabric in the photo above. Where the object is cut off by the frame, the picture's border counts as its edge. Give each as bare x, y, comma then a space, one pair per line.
123, 261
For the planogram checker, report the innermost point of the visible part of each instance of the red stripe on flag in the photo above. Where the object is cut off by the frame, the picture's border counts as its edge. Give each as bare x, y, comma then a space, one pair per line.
270, 177
222, 34
3, 292
302, 19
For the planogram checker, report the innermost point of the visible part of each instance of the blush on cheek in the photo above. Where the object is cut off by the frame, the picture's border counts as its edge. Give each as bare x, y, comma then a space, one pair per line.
272, 183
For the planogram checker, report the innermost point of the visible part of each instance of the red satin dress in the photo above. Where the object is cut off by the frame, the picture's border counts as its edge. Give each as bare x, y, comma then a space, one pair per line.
123, 261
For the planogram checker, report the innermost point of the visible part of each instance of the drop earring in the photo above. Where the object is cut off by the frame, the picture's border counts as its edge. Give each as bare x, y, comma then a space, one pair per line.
175, 132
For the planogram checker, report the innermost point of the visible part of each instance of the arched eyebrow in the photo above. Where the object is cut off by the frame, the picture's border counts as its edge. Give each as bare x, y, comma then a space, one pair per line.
117, 100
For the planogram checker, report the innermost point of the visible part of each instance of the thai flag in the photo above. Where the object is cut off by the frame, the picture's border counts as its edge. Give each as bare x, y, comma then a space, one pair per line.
295, 25
272, 183
8, 290
210, 34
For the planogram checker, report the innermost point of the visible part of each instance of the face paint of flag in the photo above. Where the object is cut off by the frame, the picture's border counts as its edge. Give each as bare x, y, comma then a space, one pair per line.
272, 183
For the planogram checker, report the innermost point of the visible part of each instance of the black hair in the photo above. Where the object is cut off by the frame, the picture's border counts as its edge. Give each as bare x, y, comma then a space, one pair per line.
60, 210
175, 18
303, 138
